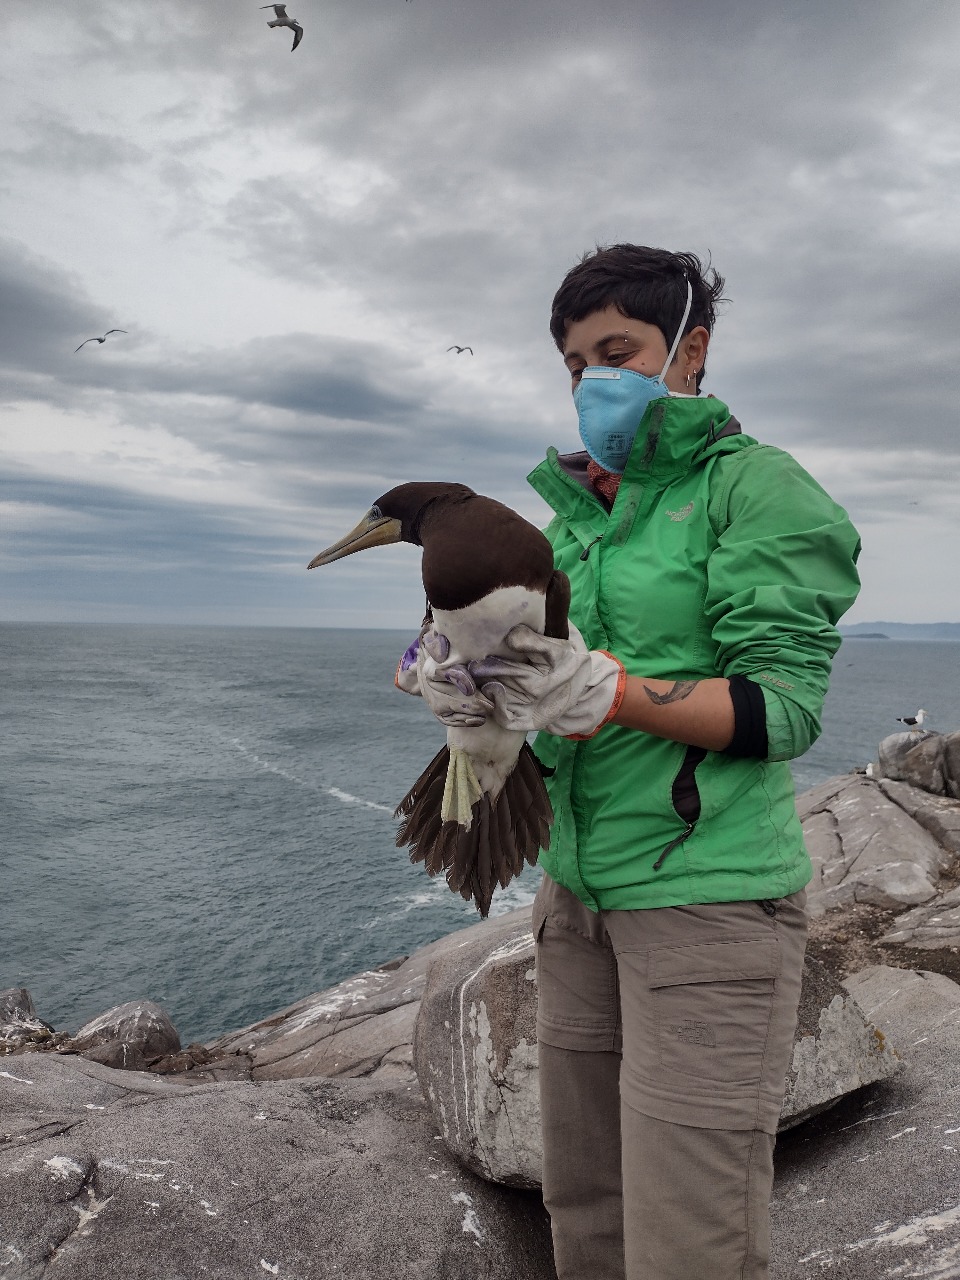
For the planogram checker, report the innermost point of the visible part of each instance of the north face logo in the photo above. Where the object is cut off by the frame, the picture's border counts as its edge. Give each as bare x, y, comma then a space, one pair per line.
682, 514
691, 1032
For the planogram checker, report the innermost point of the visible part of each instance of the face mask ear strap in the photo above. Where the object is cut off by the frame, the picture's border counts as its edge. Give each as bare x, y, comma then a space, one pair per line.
676, 341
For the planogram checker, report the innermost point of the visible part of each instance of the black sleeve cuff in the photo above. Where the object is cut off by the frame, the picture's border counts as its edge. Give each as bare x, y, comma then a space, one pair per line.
749, 720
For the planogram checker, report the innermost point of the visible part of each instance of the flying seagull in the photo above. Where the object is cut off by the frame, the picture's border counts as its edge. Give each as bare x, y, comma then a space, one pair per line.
281, 20
480, 808
103, 339
460, 350
915, 723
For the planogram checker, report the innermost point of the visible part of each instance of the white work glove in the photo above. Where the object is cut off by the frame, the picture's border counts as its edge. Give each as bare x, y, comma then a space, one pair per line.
558, 686
450, 691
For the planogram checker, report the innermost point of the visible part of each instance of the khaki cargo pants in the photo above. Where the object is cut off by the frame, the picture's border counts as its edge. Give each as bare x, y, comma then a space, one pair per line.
664, 1038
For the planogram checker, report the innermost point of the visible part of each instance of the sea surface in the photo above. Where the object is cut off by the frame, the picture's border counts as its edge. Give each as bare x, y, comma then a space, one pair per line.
202, 816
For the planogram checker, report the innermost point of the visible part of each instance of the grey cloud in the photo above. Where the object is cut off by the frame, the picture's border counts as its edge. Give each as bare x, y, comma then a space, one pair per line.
60, 145
811, 150
44, 308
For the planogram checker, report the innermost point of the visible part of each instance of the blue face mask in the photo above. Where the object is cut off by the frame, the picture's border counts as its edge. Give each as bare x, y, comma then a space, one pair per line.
611, 402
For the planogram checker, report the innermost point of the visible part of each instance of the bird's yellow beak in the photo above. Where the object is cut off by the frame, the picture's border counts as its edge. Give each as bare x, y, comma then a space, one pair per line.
374, 530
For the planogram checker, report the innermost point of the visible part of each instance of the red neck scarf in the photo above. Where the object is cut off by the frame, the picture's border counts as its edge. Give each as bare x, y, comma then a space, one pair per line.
605, 482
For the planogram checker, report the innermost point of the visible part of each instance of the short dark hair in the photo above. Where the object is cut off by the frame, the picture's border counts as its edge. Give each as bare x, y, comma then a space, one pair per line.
643, 284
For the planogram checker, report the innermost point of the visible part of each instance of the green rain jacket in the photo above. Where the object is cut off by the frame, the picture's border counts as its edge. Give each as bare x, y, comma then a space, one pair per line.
721, 556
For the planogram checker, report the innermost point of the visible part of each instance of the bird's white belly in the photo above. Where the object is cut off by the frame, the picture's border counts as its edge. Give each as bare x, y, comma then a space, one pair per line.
479, 629
476, 632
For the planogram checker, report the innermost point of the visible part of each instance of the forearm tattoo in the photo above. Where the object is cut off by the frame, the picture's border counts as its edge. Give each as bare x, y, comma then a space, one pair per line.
681, 689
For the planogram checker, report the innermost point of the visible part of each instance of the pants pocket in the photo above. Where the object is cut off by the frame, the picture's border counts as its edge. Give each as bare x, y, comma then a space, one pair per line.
712, 1004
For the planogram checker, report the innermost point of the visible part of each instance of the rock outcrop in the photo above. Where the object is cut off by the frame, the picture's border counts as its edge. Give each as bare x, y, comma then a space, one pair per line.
869, 1190
929, 761
475, 1051
867, 845
121, 1173
127, 1036
20, 1028
306, 1148
931, 927
836, 1048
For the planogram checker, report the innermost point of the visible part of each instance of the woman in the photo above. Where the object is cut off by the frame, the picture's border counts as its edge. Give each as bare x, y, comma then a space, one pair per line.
707, 574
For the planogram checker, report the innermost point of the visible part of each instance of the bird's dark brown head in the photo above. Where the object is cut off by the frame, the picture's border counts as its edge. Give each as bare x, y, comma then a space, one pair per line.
414, 503
472, 545
397, 516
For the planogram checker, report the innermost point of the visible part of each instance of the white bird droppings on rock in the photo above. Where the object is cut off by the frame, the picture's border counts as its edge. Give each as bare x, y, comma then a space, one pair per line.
471, 1223
63, 1167
272, 1267
90, 1213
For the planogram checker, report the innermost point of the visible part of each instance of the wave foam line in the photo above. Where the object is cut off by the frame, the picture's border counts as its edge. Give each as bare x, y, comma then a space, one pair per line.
347, 798
337, 794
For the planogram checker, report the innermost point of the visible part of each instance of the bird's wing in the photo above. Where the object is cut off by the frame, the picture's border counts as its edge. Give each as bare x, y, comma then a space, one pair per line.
109, 331
84, 343
298, 34
557, 606
453, 348
279, 9
470, 349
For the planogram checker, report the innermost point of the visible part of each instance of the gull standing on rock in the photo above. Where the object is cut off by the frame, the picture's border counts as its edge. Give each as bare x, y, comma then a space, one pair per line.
914, 723
281, 20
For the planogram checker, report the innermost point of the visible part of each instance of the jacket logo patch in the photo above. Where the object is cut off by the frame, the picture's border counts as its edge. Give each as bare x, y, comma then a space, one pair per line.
682, 514
691, 1032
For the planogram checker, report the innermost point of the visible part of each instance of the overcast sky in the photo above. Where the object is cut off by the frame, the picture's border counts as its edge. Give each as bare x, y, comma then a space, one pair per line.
293, 240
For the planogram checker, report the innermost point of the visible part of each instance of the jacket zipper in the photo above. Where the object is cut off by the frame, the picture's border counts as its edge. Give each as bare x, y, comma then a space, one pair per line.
686, 801
684, 835
586, 550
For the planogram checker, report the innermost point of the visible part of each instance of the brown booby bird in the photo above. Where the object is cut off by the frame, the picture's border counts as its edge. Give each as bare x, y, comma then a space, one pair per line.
480, 808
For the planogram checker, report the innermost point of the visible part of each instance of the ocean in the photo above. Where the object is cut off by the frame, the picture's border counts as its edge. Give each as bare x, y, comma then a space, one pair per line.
202, 816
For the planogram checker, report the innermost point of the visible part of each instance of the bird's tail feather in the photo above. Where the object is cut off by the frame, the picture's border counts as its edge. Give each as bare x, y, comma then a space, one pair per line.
488, 840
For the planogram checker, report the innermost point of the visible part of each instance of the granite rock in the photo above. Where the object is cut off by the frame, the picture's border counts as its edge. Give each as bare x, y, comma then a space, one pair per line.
475, 1052
928, 761
20, 1027
939, 815
868, 1190
866, 847
836, 1048
363, 1026
895, 747
933, 926
951, 764
121, 1173
128, 1036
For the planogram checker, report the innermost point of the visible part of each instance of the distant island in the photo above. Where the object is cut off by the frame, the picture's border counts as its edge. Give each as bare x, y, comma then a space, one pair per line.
901, 631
